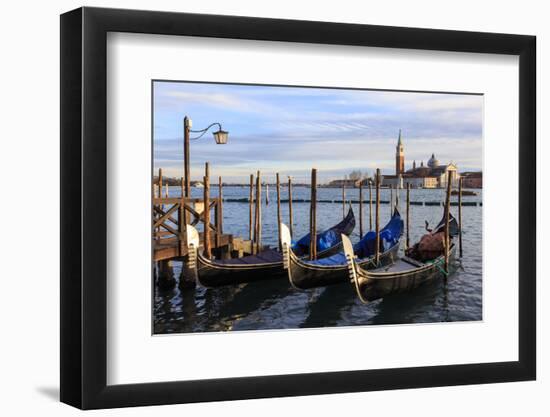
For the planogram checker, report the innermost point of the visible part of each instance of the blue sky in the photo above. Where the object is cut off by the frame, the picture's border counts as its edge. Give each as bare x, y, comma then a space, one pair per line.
291, 130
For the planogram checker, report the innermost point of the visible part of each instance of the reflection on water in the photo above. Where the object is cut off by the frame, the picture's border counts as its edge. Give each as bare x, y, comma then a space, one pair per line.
275, 305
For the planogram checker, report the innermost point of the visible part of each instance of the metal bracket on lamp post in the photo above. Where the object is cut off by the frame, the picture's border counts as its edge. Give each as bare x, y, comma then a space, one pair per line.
220, 137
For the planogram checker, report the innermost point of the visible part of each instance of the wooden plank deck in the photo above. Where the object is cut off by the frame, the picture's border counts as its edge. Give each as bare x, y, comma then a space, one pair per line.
169, 248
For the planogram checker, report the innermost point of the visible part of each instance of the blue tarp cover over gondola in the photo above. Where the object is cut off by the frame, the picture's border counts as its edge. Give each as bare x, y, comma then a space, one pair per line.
365, 248
328, 238
325, 240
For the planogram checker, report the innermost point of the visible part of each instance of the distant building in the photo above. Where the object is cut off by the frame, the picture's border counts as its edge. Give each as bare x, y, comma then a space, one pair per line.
472, 179
420, 182
436, 173
391, 181
401, 181
399, 157
348, 183
433, 175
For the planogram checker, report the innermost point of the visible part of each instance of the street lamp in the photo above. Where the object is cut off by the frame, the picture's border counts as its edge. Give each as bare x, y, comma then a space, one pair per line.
220, 136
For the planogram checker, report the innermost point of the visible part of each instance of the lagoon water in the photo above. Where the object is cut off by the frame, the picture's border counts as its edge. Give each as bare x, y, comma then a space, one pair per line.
274, 304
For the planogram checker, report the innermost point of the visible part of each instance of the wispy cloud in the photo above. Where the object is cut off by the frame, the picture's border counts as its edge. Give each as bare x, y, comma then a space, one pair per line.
216, 99
293, 129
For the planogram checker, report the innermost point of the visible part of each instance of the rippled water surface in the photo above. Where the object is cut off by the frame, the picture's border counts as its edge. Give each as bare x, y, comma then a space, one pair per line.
275, 305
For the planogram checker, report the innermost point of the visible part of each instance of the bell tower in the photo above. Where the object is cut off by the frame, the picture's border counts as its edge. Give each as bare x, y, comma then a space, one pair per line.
399, 157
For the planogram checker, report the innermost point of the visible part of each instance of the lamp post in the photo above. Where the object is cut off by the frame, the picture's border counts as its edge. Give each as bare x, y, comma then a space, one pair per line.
220, 136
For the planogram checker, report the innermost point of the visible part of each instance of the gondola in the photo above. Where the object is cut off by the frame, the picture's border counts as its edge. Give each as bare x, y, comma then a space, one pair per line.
267, 264
304, 274
404, 275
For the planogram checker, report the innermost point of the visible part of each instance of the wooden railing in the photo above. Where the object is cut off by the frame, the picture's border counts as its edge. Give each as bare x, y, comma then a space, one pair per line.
172, 214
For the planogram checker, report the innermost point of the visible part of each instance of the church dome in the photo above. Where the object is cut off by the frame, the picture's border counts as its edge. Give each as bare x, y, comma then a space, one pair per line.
432, 162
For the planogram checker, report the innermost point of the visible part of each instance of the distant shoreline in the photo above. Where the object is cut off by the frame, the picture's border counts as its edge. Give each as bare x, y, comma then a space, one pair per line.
173, 182
285, 185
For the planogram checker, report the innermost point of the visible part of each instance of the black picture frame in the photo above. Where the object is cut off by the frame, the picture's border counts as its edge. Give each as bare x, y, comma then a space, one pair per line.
84, 207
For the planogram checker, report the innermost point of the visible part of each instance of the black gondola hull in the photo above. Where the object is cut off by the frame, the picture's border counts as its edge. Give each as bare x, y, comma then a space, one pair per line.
305, 276
374, 286
253, 268
211, 275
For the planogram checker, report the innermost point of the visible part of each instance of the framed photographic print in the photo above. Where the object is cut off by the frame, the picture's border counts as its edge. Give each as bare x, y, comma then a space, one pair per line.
258, 208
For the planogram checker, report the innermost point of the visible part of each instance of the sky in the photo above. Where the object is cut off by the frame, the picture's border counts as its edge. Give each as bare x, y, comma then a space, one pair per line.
293, 129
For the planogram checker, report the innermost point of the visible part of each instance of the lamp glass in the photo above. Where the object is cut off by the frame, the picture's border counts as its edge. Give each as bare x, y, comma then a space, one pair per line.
221, 137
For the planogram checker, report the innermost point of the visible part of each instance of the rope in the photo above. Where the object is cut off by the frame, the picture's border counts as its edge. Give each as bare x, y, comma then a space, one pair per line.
438, 265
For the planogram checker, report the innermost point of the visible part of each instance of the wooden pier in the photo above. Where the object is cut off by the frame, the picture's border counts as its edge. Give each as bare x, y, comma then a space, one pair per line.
170, 215
169, 234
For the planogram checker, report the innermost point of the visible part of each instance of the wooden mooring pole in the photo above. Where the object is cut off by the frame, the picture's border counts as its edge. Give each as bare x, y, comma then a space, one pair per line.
160, 196
186, 180
279, 211
313, 216
344, 199
165, 275
186, 162
290, 205
255, 234
447, 217
391, 200
360, 209
370, 205
155, 229
206, 213
258, 220
160, 184
250, 210
460, 216
181, 226
396, 198
183, 212
377, 250
219, 213
220, 191
407, 243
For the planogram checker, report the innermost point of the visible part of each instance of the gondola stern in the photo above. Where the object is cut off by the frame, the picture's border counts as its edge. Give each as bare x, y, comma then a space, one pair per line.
352, 267
193, 242
286, 245
192, 235
286, 242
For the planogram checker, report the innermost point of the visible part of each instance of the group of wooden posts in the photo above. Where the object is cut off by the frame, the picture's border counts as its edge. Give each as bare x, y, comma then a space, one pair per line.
255, 212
